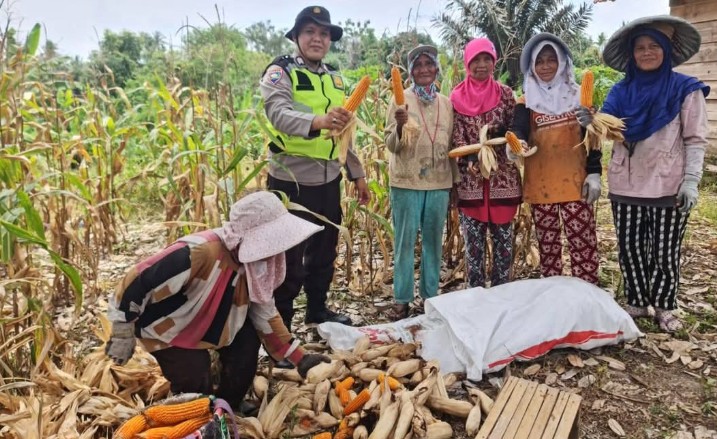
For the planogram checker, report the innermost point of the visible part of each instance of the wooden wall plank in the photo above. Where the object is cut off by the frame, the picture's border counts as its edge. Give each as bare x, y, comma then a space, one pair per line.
696, 12
708, 31
707, 53
704, 71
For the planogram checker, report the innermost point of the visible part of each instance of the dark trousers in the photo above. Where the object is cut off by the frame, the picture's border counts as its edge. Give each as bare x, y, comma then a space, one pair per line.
311, 263
189, 370
649, 242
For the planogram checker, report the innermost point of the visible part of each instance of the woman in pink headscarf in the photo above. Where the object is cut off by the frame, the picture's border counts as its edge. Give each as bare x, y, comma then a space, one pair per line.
485, 203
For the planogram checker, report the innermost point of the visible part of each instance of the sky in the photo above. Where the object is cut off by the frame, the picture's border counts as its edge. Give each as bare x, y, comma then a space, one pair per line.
75, 24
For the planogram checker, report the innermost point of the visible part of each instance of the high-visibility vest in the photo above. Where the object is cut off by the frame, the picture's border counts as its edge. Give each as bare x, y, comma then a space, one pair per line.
313, 93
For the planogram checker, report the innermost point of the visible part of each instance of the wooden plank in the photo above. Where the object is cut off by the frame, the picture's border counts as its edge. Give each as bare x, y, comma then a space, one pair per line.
532, 413
517, 417
708, 31
697, 12
515, 397
704, 71
497, 409
707, 53
552, 426
544, 414
568, 420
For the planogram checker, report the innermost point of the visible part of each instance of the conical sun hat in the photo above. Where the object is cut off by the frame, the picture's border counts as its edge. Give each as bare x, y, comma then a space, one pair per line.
683, 36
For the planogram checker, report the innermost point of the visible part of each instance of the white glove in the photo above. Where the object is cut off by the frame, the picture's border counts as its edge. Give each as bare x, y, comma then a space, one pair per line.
511, 155
120, 347
592, 188
687, 194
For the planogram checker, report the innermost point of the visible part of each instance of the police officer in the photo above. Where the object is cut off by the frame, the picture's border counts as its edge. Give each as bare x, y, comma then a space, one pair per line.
303, 99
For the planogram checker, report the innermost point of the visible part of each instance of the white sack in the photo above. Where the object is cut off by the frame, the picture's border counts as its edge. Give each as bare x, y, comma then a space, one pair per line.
482, 330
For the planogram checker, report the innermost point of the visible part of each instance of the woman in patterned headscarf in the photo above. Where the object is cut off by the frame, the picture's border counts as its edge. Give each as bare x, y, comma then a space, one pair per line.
421, 176
485, 203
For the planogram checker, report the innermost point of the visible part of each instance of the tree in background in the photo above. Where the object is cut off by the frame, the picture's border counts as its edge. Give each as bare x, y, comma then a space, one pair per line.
263, 37
510, 24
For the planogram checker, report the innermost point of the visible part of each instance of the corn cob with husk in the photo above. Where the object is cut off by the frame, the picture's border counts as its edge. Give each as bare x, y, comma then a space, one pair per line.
516, 146
487, 159
345, 136
410, 130
603, 126
397, 86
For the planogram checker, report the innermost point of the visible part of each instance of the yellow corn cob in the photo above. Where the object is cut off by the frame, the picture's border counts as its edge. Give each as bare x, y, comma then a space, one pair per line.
393, 383
586, 89
344, 431
357, 403
131, 427
514, 142
397, 85
176, 431
345, 384
344, 396
324, 435
358, 95
171, 414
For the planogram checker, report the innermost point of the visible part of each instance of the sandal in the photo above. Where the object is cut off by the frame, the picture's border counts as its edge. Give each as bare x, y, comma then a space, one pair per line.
667, 321
637, 312
398, 311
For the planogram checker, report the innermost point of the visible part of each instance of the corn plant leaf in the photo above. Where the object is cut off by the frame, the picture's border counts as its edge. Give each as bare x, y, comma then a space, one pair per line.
32, 217
238, 156
68, 270
32, 42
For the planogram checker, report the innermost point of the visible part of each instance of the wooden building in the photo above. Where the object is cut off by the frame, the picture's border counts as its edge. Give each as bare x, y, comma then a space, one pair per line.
703, 15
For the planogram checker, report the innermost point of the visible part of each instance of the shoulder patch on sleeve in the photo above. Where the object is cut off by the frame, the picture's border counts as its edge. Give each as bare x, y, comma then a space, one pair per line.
273, 75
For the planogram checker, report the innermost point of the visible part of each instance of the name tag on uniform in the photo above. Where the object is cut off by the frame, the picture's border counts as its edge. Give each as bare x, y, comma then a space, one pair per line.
338, 82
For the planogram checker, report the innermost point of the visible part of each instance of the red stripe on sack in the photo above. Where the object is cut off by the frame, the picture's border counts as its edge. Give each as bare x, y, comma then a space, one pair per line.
573, 338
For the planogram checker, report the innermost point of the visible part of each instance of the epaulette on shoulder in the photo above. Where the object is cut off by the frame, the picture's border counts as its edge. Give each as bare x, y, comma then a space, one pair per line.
331, 68
282, 61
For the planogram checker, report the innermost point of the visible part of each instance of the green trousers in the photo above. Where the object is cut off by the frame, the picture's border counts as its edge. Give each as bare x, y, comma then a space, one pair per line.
413, 211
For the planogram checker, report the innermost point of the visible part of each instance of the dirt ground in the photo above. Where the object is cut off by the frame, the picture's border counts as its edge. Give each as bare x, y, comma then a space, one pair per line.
659, 386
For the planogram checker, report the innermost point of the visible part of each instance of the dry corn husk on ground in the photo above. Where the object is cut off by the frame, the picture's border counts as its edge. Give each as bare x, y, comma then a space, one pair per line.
393, 394
83, 398
487, 159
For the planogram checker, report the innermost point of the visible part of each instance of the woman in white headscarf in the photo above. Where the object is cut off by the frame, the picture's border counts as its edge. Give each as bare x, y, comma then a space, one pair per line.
561, 182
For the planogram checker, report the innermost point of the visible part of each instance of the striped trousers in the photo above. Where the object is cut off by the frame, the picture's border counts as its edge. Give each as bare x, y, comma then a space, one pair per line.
649, 241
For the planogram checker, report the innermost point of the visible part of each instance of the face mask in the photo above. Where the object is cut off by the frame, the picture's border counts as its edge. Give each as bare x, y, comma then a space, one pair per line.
264, 276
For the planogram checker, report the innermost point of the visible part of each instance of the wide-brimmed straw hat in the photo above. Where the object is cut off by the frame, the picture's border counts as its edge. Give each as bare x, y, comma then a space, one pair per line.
261, 226
684, 39
526, 55
320, 16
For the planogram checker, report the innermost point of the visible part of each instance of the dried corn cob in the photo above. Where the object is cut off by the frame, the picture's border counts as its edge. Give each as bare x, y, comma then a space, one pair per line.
180, 430
131, 427
393, 383
514, 143
171, 414
357, 403
324, 435
586, 89
344, 431
358, 94
346, 384
397, 85
344, 396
